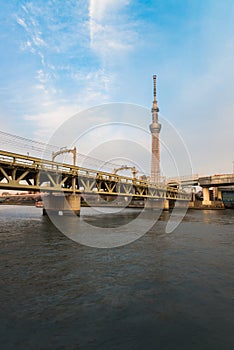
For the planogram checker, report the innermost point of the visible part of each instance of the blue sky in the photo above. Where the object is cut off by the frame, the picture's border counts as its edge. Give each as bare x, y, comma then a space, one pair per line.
61, 57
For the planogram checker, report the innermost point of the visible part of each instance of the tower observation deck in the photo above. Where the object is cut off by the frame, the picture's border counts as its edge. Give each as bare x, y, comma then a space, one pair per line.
155, 128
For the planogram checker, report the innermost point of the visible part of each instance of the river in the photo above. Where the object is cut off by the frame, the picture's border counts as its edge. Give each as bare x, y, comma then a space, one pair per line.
164, 291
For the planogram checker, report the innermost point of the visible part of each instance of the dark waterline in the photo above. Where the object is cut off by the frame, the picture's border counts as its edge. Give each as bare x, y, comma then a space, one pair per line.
164, 291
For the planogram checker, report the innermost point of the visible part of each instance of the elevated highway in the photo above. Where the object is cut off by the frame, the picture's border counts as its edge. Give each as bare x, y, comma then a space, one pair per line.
203, 181
217, 180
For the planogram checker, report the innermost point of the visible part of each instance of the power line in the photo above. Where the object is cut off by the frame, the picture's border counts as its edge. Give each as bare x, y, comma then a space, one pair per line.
20, 144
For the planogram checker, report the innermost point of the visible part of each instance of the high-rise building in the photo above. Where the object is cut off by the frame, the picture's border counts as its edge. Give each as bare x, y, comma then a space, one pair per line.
155, 128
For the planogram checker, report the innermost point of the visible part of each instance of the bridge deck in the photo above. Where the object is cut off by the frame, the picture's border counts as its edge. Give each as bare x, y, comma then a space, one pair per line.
20, 172
217, 180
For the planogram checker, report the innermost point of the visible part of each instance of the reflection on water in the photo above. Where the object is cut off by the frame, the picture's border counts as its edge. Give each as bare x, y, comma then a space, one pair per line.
109, 217
164, 291
217, 217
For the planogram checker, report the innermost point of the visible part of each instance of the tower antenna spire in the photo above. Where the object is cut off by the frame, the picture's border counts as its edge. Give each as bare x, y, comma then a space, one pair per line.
154, 77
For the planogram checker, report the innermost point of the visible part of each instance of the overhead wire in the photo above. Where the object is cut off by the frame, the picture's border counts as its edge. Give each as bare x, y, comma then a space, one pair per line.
20, 144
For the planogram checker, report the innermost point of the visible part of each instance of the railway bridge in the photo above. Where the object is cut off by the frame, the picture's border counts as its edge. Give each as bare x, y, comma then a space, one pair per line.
63, 185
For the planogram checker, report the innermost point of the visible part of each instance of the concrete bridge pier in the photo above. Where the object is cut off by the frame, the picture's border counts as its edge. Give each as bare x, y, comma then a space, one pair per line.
166, 204
218, 194
206, 196
62, 204
154, 204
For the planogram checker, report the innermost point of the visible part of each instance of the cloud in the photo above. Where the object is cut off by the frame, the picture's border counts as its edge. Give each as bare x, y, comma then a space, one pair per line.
47, 121
22, 23
99, 10
69, 78
111, 31
31, 26
54, 111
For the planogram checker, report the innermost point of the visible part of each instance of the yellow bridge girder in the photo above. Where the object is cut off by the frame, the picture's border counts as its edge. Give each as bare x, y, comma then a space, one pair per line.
20, 172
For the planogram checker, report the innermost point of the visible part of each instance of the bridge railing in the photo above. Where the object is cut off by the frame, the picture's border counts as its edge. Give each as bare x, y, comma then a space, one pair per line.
184, 178
19, 171
51, 166
217, 179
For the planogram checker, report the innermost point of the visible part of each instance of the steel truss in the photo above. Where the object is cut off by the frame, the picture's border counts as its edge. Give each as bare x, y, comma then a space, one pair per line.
20, 172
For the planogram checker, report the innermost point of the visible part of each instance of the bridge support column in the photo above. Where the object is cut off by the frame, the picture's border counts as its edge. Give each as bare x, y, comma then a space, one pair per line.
219, 195
154, 204
62, 204
206, 196
166, 204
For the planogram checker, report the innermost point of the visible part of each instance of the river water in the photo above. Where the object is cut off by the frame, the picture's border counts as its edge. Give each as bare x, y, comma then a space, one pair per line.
164, 291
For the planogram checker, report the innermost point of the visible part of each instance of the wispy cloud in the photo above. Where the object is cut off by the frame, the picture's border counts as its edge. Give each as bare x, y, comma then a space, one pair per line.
32, 27
22, 23
77, 51
111, 31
